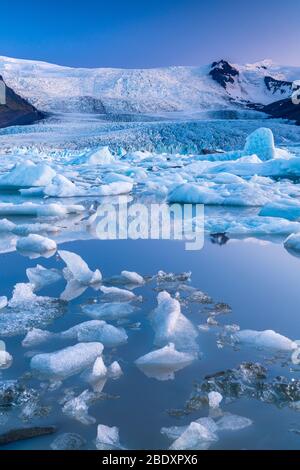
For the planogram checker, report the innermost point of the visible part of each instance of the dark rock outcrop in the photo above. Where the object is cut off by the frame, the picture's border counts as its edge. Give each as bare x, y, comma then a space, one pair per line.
223, 73
22, 434
285, 109
16, 110
275, 85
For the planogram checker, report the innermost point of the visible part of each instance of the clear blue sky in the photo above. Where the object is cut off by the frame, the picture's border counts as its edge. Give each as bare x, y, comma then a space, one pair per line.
150, 33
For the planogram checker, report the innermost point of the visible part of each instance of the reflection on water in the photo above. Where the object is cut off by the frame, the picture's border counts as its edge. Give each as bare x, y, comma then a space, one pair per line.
258, 283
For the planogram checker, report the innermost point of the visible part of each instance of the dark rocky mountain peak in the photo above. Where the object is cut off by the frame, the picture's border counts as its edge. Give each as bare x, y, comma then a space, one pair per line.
223, 73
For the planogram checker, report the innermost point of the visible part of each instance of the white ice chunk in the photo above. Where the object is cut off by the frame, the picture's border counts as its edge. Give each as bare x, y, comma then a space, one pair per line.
36, 244
171, 326
195, 437
27, 174
163, 363
266, 339
114, 370
286, 208
214, 399
101, 156
230, 422
292, 243
60, 186
121, 295
108, 438
96, 331
132, 277
67, 362
5, 358
78, 269
3, 302
109, 311
78, 407
35, 337
39, 210
261, 143
41, 277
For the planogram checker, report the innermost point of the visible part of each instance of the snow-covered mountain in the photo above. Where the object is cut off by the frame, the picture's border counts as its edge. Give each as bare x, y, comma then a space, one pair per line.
217, 86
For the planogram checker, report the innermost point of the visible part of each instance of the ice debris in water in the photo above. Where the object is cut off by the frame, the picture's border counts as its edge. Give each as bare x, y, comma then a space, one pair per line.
109, 311
66, 362
118, 295
214, 399
35, 337
78, 275
27, 174
96, 331
41, 277
261, 143
174, 432
230, 422
100, 156
78, 407
163, 363
108, 438
132, 277
114, 370
195, 437
36, 244
283, 208
68, 441
26, 310
171, 326
14, 394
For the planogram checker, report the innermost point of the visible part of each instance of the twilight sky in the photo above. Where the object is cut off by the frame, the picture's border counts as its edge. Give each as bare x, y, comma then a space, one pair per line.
150, 33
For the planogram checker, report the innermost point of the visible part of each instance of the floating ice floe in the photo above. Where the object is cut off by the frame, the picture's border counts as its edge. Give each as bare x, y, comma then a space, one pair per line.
108, 438
60, 186
36, 245
114, 371
39, 210
110, 311
285, 208
26, 311
26, 175
41, 277
66, 362
163, 363
195, 437
171, 326
230, 422
91, 331
132, 277
268, 339
78, 275
5, 358
98, 375
118, 295
116, 177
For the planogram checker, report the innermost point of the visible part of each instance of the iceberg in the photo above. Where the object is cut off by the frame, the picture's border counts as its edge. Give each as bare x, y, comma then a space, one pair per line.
163, 363
171, 326
96, 331
41, 277
109, 311
66, 362
5, 359
35, 337
114, 371
268, 339
174, 432
27, 174
292, 244
3, 302
261, 143
101, 156
62, 187
108, 438
36, 244
285, 208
